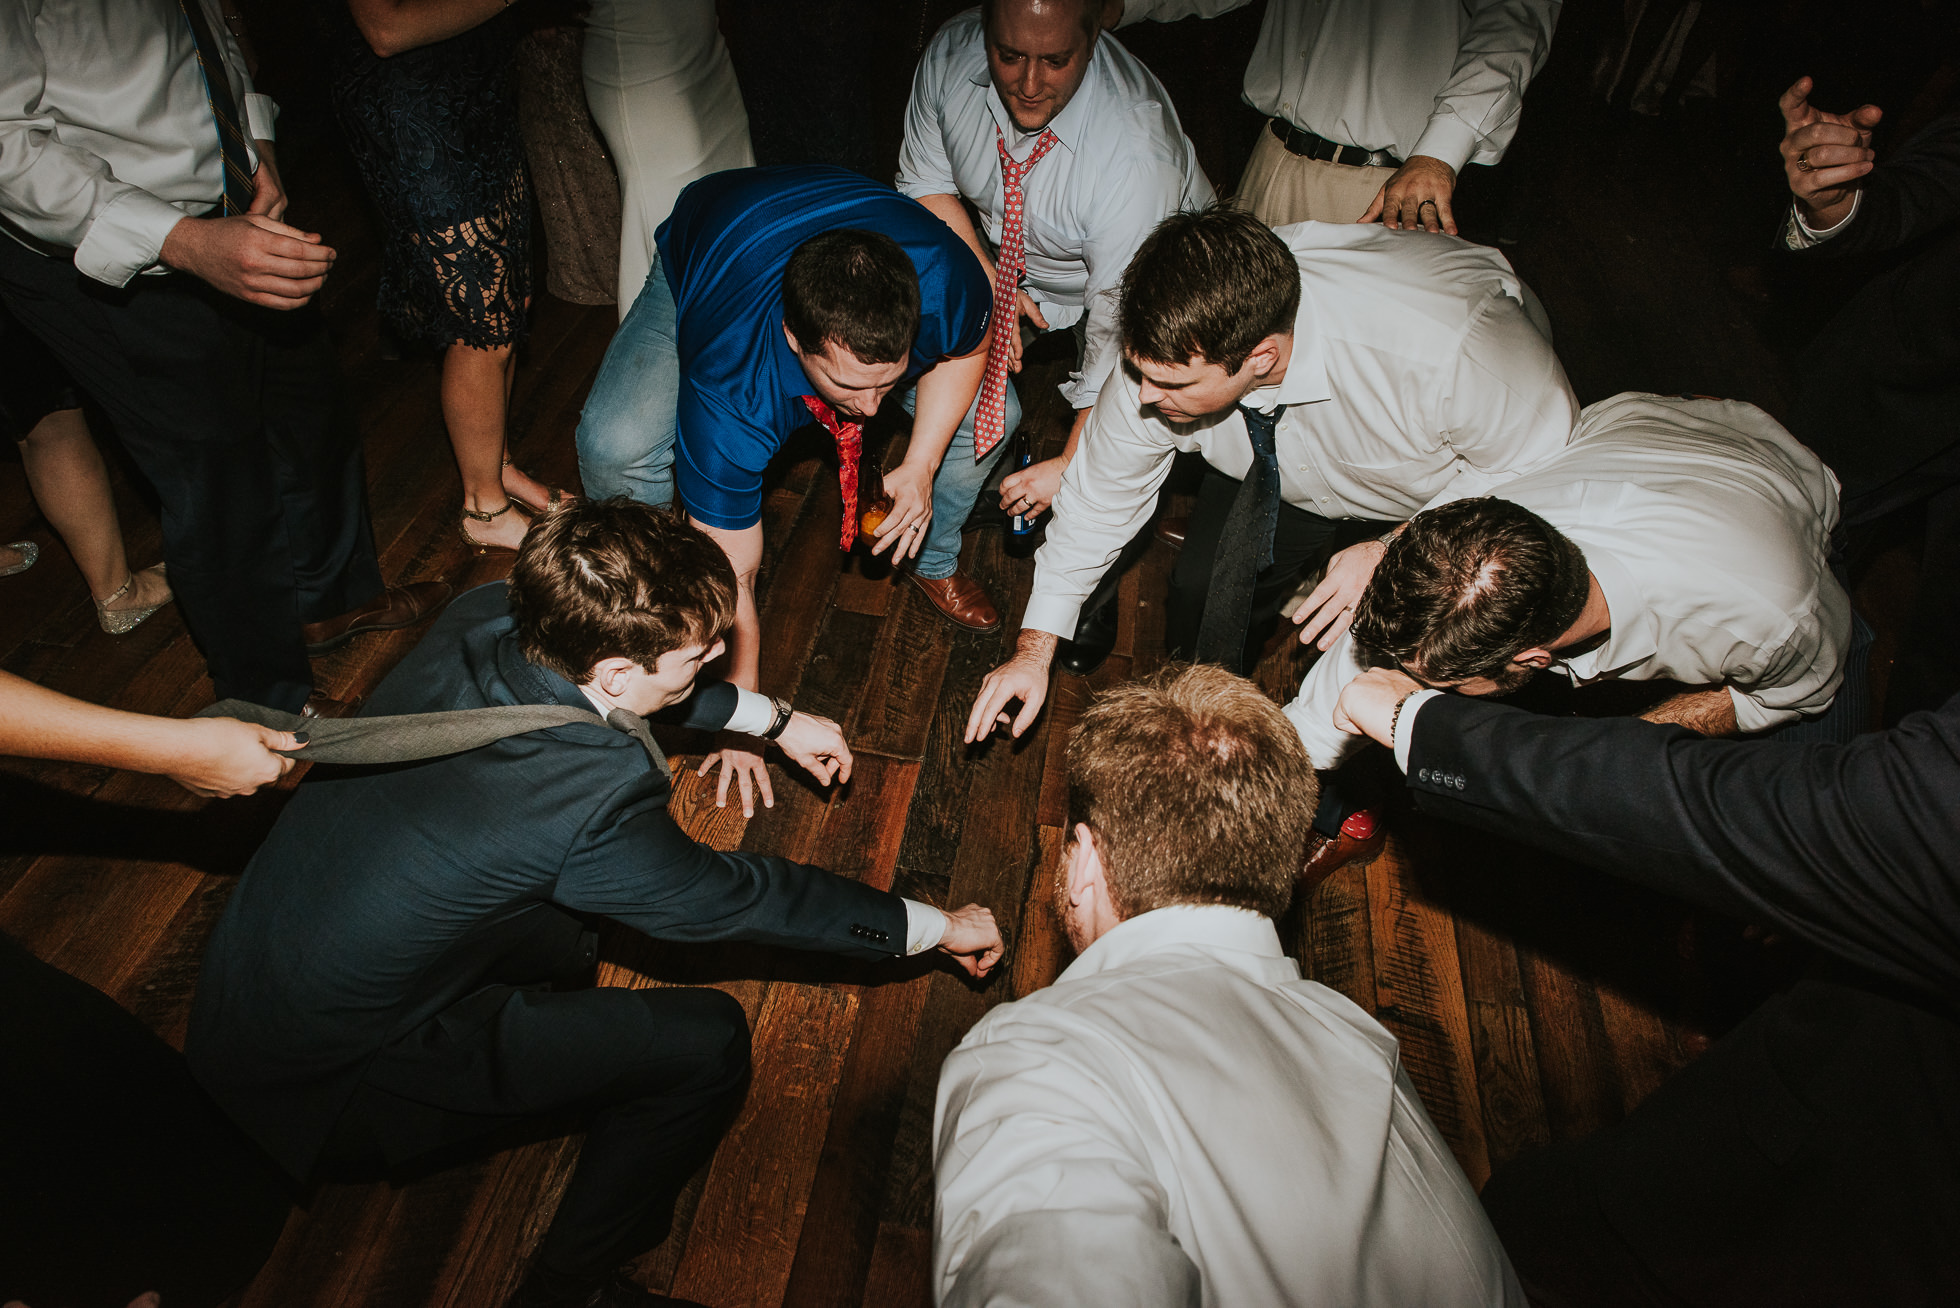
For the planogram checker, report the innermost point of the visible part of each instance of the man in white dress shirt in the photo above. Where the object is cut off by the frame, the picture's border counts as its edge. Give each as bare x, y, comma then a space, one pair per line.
136, 157
992, 84
1674, 538
1396, 366
1375, 106
1181, 1119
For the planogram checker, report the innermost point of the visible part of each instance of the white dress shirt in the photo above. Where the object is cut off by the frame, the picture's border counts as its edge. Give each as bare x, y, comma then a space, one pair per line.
1416, 367
106, 137
1444, 78
1123, 165
1182, 1120
1708, 528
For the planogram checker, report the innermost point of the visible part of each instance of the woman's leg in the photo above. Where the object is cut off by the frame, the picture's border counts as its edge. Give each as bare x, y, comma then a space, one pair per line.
71, 485
475, 403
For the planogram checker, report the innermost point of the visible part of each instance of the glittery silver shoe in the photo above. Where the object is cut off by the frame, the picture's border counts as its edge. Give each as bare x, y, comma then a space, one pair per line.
29, 552
118, 622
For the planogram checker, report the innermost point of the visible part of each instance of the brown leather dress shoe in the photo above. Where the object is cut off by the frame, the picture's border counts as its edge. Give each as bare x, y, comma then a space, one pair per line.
325, 706
959, 600
1171, 531
394, 608
1361, 840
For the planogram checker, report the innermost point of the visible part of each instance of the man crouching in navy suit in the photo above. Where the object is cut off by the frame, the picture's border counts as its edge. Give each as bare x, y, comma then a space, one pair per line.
380, 985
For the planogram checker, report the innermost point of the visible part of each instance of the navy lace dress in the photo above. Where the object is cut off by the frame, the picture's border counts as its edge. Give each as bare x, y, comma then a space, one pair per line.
434, 132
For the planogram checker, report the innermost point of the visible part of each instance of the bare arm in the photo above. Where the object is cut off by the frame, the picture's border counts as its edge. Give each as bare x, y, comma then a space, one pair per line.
206, 756
392, 26
1707, 712
945, 394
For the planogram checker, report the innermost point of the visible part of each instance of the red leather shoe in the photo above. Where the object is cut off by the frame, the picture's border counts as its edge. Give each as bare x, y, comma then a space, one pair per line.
959, 600
391, 610
1171, 531
1361, 840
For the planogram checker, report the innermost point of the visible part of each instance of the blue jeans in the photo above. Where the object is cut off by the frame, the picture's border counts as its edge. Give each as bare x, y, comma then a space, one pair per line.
626, 433
958, 484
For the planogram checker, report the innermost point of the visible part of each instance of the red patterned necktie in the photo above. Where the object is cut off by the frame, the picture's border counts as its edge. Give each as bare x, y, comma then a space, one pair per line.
850, 442
1009, 260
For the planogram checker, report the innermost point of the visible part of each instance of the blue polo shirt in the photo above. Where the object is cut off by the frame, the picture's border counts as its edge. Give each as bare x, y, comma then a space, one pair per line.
723, 251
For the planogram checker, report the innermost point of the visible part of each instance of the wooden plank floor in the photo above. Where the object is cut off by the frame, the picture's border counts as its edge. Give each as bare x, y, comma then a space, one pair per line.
1534, 1001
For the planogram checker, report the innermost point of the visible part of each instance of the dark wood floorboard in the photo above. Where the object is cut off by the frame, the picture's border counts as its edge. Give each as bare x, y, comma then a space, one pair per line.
1535, 1001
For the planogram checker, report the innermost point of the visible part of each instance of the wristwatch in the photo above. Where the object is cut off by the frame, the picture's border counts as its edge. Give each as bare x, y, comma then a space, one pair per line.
784, 712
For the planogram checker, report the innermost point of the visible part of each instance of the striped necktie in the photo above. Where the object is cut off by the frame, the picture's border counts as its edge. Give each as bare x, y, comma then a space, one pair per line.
991, 415
239, 187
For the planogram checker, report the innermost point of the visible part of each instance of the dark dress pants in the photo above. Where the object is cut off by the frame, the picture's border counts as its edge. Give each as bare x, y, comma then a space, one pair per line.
1301, 541
1810, 1157
237, 417
120, 1175
655, 1074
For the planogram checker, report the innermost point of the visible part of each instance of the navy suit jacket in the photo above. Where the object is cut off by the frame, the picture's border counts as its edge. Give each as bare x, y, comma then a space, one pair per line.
380, 891
1812, 1155
1855, 848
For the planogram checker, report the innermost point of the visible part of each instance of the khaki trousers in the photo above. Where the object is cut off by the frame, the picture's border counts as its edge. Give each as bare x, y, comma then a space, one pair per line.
1280, 187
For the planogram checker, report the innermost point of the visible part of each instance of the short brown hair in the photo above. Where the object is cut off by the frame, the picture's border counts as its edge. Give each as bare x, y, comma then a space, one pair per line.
856, 288
1197, 790
1209, 283
1466, 587
600, 579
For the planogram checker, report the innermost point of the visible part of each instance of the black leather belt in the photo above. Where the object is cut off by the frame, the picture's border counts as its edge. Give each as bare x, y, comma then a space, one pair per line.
1300, 141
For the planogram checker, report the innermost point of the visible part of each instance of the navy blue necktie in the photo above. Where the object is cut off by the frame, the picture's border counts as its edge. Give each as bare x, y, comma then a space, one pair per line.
239, 186
1245, 547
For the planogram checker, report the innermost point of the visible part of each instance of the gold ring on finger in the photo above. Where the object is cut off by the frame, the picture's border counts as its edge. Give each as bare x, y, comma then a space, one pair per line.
1803, 162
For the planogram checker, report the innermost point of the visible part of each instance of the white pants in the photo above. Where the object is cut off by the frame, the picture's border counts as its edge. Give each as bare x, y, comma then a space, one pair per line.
664, 95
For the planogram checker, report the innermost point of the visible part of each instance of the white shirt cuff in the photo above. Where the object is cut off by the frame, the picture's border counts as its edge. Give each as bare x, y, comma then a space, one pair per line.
1055, 614
754, 712
1800, 235
260, 114
126, 237
1405, 724
1449, 139
925, 927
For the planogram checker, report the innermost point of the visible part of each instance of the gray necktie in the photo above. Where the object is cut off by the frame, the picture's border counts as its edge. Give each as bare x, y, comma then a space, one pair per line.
1245, 547
410, 736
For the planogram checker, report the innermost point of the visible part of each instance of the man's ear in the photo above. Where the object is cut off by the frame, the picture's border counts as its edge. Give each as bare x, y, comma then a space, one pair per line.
1265, 356
1086, 876
1536, 657
610, 675
790, 336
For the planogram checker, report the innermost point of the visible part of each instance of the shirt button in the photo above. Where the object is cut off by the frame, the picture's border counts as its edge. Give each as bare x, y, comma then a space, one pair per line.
1303, 467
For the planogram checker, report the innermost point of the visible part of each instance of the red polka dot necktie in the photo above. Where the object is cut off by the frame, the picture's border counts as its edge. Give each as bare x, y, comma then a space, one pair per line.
850, 442
1009, 260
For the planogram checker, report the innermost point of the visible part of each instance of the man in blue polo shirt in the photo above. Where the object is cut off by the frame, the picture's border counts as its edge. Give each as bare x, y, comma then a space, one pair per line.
781, 296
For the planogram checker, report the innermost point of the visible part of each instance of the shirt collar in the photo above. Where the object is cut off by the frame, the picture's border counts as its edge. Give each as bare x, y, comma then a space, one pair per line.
1211, 927
1306, 369
1635, 634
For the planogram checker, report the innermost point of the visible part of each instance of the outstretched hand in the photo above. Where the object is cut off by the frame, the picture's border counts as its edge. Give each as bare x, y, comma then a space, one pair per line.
816, 745
1023, 677
1825, 155
743, 765
972, 938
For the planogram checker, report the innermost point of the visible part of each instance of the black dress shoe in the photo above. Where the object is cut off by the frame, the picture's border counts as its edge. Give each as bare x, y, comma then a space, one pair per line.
1095, 637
